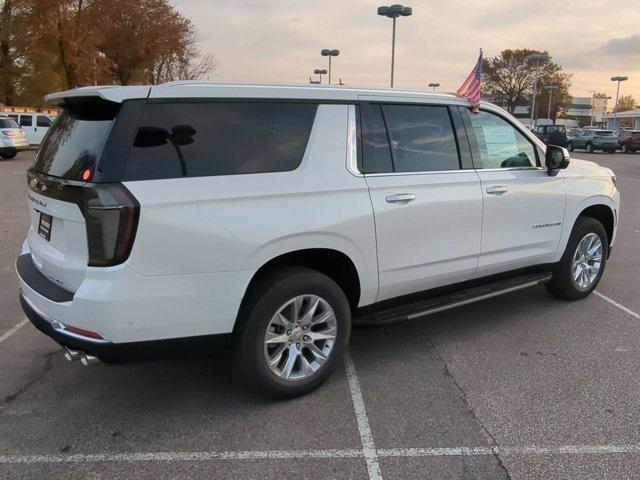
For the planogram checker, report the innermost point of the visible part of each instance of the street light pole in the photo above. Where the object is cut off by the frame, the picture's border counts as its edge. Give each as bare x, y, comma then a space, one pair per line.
393, 12
550, 89
320, 72
537, 58
593, 104
615, 106
434, 85
327, 52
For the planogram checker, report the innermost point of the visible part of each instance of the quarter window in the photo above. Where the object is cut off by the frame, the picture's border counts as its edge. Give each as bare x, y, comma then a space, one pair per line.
422, 138
498, 143
219, 138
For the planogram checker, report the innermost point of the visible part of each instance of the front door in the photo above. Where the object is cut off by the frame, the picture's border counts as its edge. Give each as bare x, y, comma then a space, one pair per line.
523, 205
428, 209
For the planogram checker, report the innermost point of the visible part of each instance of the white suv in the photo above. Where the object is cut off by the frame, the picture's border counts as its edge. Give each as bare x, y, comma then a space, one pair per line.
274, 217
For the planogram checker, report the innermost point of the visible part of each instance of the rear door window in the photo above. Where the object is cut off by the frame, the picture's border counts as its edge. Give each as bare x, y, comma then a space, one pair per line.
422, 138
377, 154
26, 120
219, 138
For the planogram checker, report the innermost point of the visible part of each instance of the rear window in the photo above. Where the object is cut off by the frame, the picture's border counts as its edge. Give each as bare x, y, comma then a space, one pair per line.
75, 140
219, 138
8, 123
605, 133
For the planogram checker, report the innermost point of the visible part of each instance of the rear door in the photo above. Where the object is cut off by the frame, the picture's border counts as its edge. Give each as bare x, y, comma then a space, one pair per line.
426, 197
523, 205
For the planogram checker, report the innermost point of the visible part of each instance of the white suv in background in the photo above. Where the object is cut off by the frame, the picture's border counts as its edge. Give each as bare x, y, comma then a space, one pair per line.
274, 217
35, 125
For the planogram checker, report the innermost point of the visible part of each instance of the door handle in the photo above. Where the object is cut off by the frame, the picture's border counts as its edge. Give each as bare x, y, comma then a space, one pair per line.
401, 198
499, 190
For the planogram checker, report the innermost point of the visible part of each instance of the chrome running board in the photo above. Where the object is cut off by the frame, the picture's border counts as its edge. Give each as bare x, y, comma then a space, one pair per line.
435, 304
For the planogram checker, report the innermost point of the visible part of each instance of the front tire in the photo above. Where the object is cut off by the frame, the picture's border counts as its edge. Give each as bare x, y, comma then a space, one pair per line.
582, 264
295, 328
9, 156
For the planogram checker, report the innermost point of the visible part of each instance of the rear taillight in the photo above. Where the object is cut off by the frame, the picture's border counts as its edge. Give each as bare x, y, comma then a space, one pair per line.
111, 214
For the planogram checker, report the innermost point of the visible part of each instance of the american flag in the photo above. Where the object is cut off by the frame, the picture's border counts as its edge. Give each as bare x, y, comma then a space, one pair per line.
470, 89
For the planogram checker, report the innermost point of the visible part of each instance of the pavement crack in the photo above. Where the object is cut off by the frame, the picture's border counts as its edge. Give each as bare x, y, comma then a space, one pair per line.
463, 397
37, 377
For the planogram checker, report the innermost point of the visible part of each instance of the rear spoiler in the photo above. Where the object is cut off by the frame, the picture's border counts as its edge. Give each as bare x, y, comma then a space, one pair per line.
115, 94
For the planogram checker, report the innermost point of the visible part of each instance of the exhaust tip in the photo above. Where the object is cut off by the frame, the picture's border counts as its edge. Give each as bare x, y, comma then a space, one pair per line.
72, 355
89, 360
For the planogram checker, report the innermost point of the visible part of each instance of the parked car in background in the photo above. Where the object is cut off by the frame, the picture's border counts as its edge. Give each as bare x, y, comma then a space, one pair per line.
12, 138
629, 140
552, 134
592, 140
35, 125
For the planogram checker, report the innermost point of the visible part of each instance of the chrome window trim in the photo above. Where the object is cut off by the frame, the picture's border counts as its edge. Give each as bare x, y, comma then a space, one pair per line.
352, 142
460, 170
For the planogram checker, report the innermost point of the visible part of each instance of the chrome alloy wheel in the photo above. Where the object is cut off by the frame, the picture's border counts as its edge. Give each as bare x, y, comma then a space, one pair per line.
300, 337
587, 261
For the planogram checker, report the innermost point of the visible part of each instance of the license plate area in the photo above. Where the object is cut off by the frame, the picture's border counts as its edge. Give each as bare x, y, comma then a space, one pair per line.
44, 226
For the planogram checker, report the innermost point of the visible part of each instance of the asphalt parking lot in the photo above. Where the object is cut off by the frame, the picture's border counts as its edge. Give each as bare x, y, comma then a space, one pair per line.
522, 386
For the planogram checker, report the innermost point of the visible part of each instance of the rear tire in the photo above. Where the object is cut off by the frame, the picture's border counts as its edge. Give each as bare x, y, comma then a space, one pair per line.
9, 156
280, 351
564, 283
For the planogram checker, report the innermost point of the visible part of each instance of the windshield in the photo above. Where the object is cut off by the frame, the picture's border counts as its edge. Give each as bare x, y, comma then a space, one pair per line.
8, 123
605, 133
75, 140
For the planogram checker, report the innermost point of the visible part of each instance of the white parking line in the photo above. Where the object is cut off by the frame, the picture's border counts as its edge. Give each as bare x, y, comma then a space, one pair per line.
179, 456
133, 457
616, 304
368, 447
13, 330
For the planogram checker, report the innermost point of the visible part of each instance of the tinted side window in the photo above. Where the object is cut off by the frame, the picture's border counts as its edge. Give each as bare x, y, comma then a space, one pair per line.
26, 120
42, 121
377, 155
498, 144
204, 139
422, 138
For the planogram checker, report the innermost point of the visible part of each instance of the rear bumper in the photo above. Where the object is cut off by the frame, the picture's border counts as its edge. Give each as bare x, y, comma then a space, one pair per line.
110, 352
124, 307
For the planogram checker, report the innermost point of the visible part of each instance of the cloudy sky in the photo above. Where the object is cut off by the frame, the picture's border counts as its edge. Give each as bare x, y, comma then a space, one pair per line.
278, 40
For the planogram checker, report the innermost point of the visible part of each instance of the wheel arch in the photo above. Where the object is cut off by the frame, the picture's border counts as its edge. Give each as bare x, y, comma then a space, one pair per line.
336, 264
604, 214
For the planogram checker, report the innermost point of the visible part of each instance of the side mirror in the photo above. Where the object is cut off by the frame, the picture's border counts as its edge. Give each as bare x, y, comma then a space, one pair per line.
556, 159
